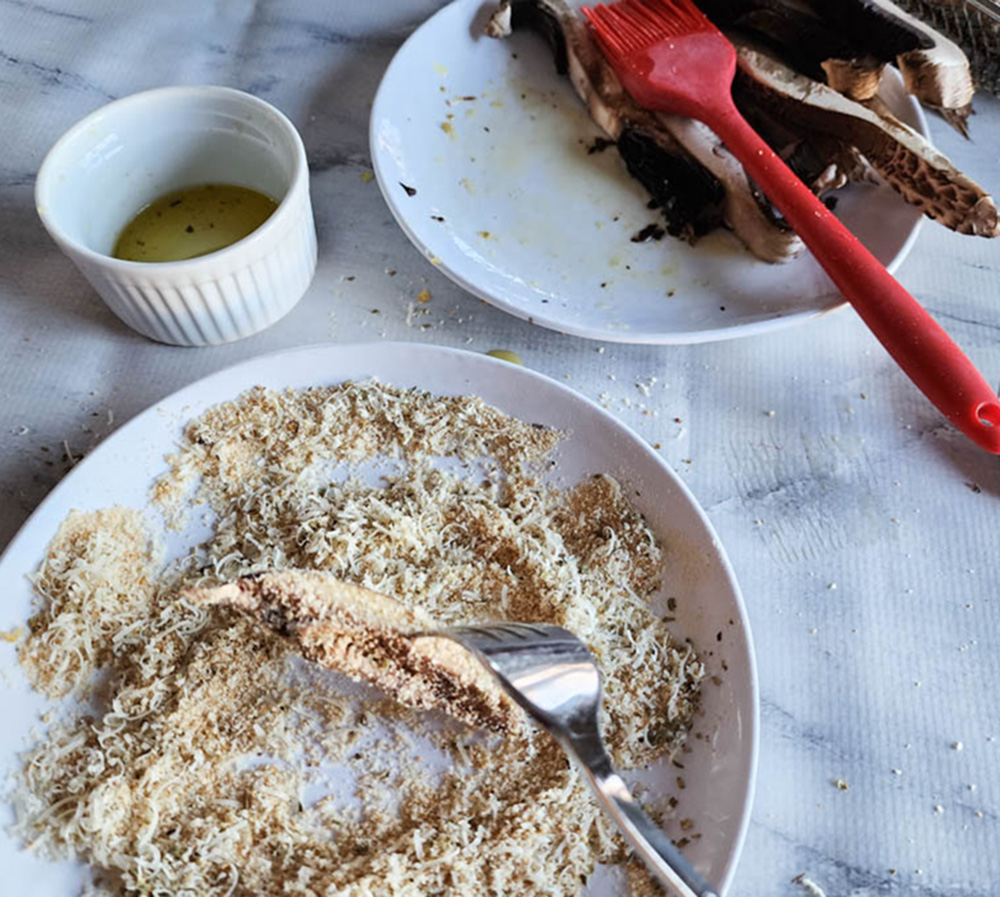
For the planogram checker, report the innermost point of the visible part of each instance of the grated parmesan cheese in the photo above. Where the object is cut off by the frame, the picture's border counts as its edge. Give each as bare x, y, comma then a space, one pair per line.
189, 778
96, 580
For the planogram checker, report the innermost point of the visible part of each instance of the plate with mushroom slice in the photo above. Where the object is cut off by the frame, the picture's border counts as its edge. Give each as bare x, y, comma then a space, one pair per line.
510, 156
706, 803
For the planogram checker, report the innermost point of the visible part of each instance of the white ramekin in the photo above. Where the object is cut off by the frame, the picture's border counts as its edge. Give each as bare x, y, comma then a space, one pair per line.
127, 154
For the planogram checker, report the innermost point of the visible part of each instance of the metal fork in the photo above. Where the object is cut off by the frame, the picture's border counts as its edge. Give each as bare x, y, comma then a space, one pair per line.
553, 676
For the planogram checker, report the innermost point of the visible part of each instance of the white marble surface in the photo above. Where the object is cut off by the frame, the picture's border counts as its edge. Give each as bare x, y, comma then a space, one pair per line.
860, 525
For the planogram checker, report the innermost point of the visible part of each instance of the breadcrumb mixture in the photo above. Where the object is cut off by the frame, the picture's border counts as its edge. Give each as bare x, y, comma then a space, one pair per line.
198, 766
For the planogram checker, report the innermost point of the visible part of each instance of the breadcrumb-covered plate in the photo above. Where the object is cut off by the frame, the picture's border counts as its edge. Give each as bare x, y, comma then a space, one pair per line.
708, 786
481, 152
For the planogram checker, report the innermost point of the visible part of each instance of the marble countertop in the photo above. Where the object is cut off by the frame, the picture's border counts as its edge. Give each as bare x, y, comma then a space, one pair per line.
860, 525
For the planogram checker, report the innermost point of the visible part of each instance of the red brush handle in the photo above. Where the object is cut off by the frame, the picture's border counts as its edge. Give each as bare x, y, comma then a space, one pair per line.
915, 340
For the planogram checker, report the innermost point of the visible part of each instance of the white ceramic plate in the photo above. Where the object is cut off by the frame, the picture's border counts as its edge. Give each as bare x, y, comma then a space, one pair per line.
719, 771
529, 217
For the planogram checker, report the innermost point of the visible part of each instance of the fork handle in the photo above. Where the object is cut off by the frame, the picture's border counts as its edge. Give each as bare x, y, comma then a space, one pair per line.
646, 838
912, 337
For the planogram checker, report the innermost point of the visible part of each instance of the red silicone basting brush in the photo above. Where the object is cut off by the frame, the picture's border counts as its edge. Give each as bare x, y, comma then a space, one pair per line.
671, 58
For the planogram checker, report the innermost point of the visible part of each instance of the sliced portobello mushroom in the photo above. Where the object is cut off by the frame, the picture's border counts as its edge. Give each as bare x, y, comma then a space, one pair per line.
934, 69
747, 211
899, 154
847, 44
972, 24
822, 160
805, 40
695, 181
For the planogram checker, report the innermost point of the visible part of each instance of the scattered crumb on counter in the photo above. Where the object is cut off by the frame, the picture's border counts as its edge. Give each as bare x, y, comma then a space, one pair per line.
808, 885
505, 355
68, 455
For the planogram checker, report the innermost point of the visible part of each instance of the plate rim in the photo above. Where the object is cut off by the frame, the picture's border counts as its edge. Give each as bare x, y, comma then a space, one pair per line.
831, 301
178, 397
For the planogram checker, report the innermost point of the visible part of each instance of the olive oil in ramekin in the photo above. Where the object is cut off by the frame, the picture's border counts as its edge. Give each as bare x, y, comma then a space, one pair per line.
193, 221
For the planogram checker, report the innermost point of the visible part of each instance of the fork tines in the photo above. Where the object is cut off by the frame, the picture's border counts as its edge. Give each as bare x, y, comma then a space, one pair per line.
496, 631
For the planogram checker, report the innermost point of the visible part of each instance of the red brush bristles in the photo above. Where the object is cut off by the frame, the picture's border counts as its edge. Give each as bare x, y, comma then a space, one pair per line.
630, 26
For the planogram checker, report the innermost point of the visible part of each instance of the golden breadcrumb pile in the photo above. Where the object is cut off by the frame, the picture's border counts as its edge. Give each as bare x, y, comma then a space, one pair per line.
200, 760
